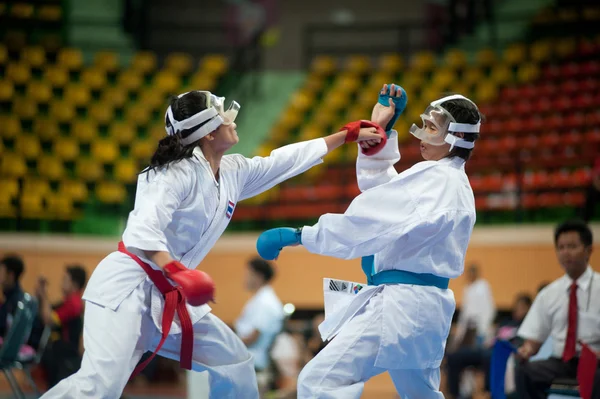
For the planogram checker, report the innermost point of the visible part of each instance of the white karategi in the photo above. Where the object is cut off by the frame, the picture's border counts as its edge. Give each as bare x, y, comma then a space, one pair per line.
419, 221
181, 209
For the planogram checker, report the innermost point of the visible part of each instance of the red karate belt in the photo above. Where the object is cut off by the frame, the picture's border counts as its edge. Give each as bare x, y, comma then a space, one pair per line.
174, 300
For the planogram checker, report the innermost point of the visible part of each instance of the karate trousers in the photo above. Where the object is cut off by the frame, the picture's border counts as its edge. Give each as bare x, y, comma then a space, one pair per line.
114, 342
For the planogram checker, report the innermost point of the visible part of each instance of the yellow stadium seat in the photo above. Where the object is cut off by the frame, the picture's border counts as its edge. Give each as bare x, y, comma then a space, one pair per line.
57, 76
138, 115
541, 51
501, 74
52, 42
301, 101
144, 62
77, 95
290, 120
142, 150
325, 120
74, 189
50, 167
39, 91
442, 79
94, 78
314, 83
367, 99
565, 47
22, 10
3, 54
334, 101
179, 63
89, 170
528, 73
36, 185
105, 151
70, 59
130, 80
10, 187
13, 165
158, 132
15, 40
358, 111
486, 58
101, 113
310, 132
390, 63
60, 207
472, 76
35, 56
62, 112
115, 96
50, 13
7, 91
84, 130
32, 206
18, 73
455, 59
203, 81
167, 82
423, 61
25, 108
122, 132
515, 54
28, 146
45, 128
110, 193
66, 148
1, 148
7, 208
106, 61
323, 65
485, 92
215, 64
152, 100
347, 83
358, 64
378, 79
126, 171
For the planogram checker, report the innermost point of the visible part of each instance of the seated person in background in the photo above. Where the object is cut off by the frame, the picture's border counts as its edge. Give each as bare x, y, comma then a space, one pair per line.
11, 269
287, 355
480, 357
62, 356
568, 310
314, 342
477, 311
262, 317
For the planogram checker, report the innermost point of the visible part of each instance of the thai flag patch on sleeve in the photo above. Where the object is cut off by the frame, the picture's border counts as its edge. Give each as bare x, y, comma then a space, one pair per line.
230, 208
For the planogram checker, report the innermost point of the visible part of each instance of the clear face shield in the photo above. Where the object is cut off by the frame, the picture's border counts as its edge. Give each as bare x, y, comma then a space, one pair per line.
203, 122
438, 123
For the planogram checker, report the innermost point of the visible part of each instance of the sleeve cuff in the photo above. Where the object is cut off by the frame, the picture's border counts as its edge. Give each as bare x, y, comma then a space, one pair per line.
309, 238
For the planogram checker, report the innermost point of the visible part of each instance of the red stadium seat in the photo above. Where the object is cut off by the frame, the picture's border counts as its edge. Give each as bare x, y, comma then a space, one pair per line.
552, 72
524, 108
589, 85
581, 177
570, 70
590, 69
514, 126
542, 105
575, 121
533, 124
568, 88
529, 142
547, 89
592, 136
572, 138
554, 122
574, 199
583, 101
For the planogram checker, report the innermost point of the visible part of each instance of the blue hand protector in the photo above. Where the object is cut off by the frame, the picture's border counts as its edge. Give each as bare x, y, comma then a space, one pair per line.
400, 103
270, 242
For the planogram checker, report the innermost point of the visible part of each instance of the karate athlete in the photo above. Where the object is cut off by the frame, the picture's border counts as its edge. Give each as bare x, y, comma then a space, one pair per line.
417, 224
184, 202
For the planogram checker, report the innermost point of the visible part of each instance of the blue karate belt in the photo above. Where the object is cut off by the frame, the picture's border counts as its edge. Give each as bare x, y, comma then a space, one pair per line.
400, 276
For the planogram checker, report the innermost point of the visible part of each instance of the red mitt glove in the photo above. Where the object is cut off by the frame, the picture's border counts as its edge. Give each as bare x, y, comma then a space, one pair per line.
353, 129
197, 286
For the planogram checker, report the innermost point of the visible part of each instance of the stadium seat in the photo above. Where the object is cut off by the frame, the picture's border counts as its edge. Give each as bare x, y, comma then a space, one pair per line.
486, 58
138, 114
116, 96
390, 63
50, 167
323, 65
35, 56
105, 151
358, 64
142, 150
101, 113
515, 54
23, 11
202, 80
346, 83
18, 73
7, 91
62, 112
39, 91
28, 146
45, 129
3, 54
70, 59
455, 59
9, 191
67, 149
110, 193
73, 189
94, 78
36, 185
122, 132
57, 76
126, 171
60, 207
423, 61
24, 108
13, 165
167, 82
84, 130
143, 62
77, 95
179, 63
130, 80
106, 61
541, 51
50, 13
32, 205
565, 47
88, 170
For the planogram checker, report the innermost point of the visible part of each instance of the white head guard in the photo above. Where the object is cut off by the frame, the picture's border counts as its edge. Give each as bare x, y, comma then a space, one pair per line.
444, 123
204, 122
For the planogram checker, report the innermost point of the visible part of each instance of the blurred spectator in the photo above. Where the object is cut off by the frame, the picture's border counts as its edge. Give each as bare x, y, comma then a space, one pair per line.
287, 355
480, 357
62, 356
262, 317
11, 270
314, 342
592, 196
567, 311
477, 311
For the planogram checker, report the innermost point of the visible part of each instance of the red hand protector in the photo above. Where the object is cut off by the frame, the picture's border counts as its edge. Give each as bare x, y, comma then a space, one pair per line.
197, 286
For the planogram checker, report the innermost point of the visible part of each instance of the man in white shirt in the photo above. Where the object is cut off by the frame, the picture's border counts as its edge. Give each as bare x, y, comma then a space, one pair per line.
262, 317
568, 310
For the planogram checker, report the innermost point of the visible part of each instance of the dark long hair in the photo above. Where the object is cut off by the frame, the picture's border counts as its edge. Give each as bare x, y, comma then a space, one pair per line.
170, 149
463, 111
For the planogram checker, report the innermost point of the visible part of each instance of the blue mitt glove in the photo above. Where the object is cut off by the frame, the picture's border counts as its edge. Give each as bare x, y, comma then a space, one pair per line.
271, 242
400, 103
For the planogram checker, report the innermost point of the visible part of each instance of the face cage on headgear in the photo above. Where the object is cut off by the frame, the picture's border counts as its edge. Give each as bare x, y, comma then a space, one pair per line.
204, 122
444, 123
